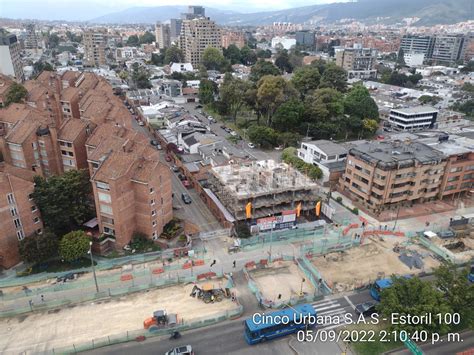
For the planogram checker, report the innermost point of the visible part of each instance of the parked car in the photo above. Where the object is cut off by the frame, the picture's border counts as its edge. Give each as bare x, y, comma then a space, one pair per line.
186, 198
182, 350
251, 145
64, 278
158, 147
154, 142
174, 168
168, 158
186, 184
181, 177
198, 106
140, 123
280, 147
223, 127
366, 309
447, 234
233, 133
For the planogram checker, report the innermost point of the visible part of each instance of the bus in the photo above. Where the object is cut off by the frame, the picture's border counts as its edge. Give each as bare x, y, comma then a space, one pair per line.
378, 286
261, 327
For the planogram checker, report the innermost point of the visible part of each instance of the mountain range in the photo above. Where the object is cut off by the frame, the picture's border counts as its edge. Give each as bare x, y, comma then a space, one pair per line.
430, 12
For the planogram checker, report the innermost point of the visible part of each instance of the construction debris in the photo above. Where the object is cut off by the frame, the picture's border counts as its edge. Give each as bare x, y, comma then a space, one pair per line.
411, 260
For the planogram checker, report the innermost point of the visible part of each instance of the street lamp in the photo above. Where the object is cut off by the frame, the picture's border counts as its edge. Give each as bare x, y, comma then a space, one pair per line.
93, 267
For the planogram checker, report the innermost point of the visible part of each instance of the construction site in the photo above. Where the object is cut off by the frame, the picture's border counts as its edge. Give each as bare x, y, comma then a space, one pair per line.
268, 186
280, 281
378, 257
76, 323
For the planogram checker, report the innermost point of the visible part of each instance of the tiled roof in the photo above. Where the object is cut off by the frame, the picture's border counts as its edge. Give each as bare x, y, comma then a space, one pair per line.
71, 128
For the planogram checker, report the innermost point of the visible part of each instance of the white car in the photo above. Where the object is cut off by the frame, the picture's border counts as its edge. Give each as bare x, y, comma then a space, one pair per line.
140, 123
233, 133
251, 145
182, 350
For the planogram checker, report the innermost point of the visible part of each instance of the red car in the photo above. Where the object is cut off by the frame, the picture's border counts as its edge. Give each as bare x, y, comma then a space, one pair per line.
168, 158
186, 184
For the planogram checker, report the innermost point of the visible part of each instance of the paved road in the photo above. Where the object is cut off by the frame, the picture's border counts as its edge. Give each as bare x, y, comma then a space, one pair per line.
227, 337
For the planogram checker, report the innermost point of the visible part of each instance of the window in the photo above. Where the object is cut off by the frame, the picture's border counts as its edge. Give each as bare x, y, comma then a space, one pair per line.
20, 235
17, 223
108, 230
36, 220
107, 220
456, 170
153, 213
453, 178
450, 187
34, 208
13, 211
106, 209
153, 223
30, 197
104, 197
154, 235
151, 190
102, 186
11, 199
152, 202
39, 231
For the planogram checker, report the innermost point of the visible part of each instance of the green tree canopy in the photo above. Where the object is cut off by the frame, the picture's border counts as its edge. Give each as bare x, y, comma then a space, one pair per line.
272, 91
306, 79
320, 64
324, 104
232, 53
282, 61
147, 37
64, 201
157, 58
141, 77
53, 40
358, 103
334, 77
264, 53
207, 90
213, 59
133, 41
429, 99
288, 115
262, 68
247, 56
173, 54
416, 298
263, 136
74, 245
16, 93
38, 248
231, 92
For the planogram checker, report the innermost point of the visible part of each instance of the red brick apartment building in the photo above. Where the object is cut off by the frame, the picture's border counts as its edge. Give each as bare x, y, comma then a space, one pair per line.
74, 121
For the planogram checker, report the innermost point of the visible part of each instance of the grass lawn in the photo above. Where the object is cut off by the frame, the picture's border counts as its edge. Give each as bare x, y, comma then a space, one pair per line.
375, 347
58, 266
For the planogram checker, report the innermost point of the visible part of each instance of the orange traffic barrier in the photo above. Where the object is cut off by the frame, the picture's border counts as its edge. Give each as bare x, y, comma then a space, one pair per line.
250, 264
126, 277
198, 262
187, 265
158, 271
263, 262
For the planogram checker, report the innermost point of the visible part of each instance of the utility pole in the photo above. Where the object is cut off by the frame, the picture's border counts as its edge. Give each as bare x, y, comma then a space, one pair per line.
93, 268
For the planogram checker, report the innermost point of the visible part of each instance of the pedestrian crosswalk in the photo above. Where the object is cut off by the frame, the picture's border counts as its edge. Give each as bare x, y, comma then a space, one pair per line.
332, 312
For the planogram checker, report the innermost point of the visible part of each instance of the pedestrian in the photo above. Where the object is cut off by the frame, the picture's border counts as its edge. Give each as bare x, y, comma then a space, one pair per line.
42, 298
386, 227
233, 263
213, 263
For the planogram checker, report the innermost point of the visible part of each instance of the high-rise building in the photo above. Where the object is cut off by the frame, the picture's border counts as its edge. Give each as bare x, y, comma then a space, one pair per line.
418, 44
163, 35
194, 12
358, 62
31, 40
10, 62
449, 48
94, 48
305, 39
413, 118
197, 35
175, 29
232, 37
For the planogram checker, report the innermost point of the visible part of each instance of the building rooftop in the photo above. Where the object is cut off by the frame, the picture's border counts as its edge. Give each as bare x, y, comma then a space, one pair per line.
452, 146
396, 154
261, 178
415, 109
328, 147
71, 128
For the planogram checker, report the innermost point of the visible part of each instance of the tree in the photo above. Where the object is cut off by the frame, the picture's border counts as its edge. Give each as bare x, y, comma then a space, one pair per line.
287, 139
263, 136
468, 87
16, 93
157, 58
272, 91
231, 92
53, 40
212, 59
306, 79
458, 292
262, 68
73, 245
358, 103
466, 107
39, 66
141, 77
320, 64
370, 125
401, 58
248, 56
415, 78
207, 90
324, 104
232, 53
282, 61
147, 37
334, 77
469, 67
38, 248
288, 115
264, 53
173, 54
413, 297
133, 41
64, 201
429, 99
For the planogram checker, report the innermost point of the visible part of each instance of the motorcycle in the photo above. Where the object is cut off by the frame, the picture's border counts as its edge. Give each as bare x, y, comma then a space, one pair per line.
175, 335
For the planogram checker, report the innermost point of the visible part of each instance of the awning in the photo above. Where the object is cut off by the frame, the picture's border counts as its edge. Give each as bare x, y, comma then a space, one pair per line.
92, 223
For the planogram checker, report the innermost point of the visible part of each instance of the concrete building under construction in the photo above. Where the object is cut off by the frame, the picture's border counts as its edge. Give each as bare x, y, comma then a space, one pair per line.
270, 187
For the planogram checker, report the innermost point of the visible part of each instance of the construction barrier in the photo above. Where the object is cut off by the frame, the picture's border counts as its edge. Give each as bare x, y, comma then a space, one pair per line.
158, 271
126, 277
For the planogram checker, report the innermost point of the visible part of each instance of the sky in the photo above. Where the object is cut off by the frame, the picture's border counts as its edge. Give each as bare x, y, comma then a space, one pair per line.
81, 10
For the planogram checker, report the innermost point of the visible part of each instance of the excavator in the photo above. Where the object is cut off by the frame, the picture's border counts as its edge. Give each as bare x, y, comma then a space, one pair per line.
209, 294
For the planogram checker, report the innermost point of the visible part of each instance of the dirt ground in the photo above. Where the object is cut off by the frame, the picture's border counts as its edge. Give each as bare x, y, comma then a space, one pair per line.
360, 266
465, 253
81, 323
282, 277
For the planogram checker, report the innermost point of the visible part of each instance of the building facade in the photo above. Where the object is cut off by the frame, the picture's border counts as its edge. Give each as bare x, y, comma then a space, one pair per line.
10, 61
305, 39
94, 48
358, 62
163, 35
413, 118
232, 37
449, 48
175, 29
197, 35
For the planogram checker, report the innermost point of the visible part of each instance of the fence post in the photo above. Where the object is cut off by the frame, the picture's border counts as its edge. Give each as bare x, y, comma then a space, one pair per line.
75, 351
